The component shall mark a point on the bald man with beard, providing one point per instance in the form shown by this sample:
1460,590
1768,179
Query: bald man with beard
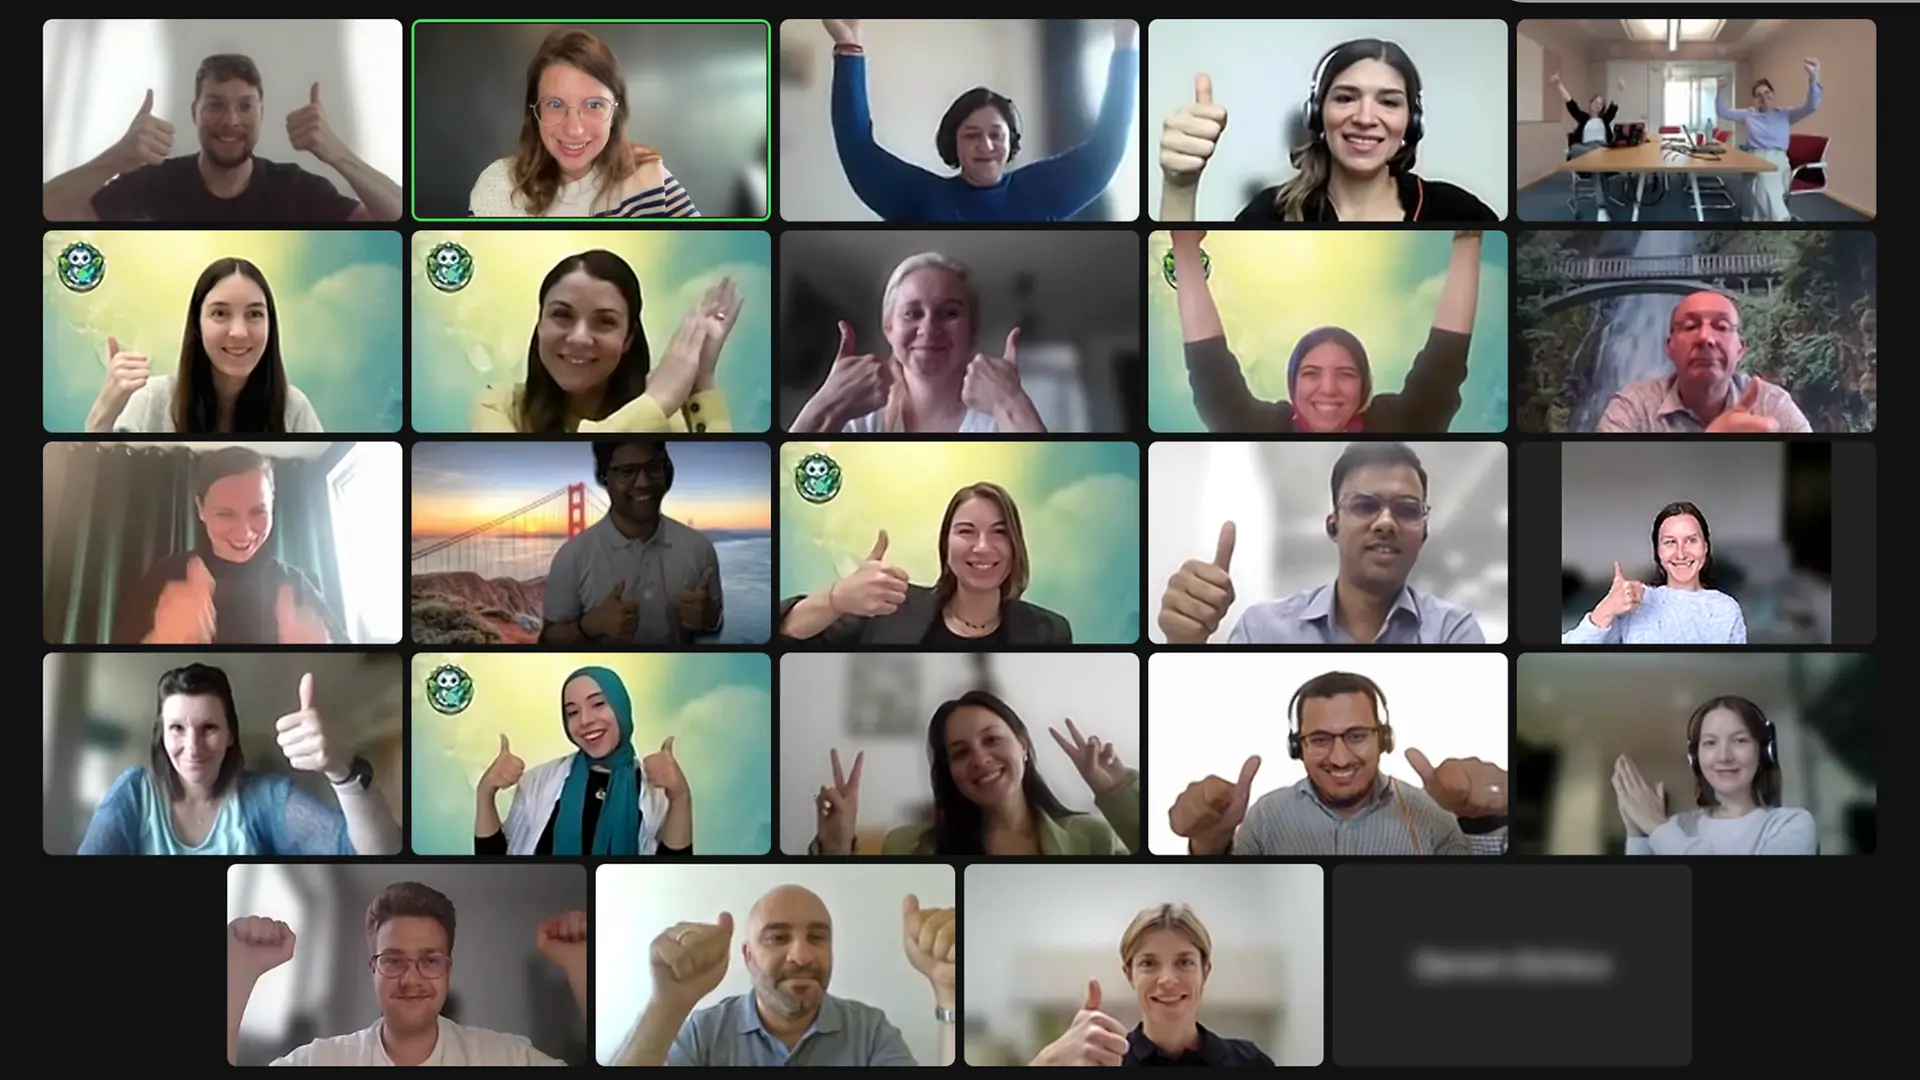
788,1018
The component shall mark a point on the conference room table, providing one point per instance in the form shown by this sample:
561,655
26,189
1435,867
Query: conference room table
1671,158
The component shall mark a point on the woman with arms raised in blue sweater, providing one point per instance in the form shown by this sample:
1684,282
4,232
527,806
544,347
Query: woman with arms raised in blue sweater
1735,759
1681,607
979,136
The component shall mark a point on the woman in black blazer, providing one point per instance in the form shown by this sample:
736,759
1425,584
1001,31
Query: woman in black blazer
975,604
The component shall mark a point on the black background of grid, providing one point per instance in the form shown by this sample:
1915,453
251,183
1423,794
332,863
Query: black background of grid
105,957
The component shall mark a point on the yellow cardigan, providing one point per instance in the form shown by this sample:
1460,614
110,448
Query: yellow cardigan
499,406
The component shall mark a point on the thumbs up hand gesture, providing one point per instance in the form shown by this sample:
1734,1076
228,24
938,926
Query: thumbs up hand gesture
662,770
876,587
148,140
1622,597
1209,811
506,770
1094,1038
1188,138
1740,419
126,373
697,613
857,384
297,623
303,739
992,386
1199,595
928,934
614,618
185,614
308,130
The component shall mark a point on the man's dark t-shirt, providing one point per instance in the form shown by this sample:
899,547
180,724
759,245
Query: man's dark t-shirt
244,596
174,191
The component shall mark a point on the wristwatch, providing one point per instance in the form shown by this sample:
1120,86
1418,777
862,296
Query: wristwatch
945,1016
359,776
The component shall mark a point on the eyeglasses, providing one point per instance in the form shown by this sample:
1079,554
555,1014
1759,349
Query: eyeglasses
395,965
655,468
1356,739
1407,510
594,112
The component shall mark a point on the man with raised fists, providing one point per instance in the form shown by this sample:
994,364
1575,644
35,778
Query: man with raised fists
410,935
1345,805
230,592
788,1018
1379,524
636,576
225,182
1706,392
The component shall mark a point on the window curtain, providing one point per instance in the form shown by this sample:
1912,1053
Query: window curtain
110,511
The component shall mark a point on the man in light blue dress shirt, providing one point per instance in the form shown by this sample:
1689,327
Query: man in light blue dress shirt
788,1018
1379,522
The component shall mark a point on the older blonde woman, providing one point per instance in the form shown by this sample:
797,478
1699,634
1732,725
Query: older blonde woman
1166,955
932,379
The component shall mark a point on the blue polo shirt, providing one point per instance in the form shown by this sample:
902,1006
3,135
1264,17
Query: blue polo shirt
845,1033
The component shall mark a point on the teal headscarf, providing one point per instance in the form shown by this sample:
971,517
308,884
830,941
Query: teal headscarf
618,831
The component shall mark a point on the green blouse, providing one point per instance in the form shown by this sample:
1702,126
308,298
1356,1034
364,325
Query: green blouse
1115,831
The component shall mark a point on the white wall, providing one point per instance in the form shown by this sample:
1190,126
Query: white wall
1208,712
1529,79
1610,491
1014,912
1262,73
869,960
96,71
1099,691
1278,496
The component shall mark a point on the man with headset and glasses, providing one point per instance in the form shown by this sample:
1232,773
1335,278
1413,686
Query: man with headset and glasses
1379,523
1338,727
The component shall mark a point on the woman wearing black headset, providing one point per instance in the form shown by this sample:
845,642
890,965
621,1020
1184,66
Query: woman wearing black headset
1364,125
1735,760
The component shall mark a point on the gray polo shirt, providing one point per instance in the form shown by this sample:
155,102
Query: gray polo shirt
845,1033
656,573
1401,820
1653,407
1307,618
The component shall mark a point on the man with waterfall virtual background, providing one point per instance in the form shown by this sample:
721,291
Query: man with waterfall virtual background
1706,392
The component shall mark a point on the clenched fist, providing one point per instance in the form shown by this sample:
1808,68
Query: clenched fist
257,945
690,959
563,940
928,934
1209,811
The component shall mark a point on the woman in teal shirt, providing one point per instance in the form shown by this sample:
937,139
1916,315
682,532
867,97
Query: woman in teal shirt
196,797
988,799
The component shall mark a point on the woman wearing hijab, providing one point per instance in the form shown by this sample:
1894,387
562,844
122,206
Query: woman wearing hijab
1330,385
596,801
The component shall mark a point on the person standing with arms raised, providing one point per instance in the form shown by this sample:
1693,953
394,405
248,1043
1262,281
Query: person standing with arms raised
1769,131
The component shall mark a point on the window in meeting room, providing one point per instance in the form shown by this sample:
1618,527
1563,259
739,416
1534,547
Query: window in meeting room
365,490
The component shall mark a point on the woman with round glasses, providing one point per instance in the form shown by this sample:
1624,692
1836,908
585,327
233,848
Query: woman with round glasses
1329,379
573,159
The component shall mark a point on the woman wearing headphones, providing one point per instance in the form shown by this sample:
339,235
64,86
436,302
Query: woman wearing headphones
1681,607
1735,760
1166,956
1364,125
980,137
1329,378
988,798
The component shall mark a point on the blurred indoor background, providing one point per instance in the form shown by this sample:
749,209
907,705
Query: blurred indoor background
100,708
499,980
110,510
1263,71
880,704
1074,295
95,72
1768,506
1578,711
1034,935
1055,70
869,957
696,92
1207,712
1278,497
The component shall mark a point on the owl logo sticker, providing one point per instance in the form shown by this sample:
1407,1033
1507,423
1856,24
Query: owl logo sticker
1166,268
817,478
449,690
81,266
450,267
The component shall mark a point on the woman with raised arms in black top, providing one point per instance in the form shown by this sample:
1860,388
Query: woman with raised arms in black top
1329,378
1364,124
